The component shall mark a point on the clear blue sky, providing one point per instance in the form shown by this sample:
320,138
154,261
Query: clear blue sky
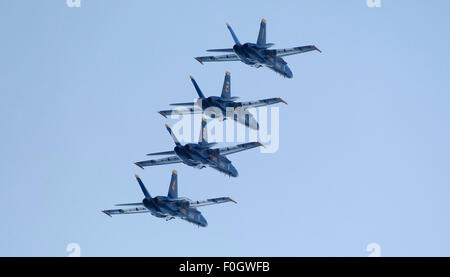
364,142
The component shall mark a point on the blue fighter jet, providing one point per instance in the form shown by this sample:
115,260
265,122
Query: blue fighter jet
200,155
223,103
170,206
257,54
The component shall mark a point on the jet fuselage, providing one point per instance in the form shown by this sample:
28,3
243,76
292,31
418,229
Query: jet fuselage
227,109
199,156
165,207
251,54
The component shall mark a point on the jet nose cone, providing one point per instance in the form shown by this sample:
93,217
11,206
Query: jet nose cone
230,171
289,72
234,173
203,221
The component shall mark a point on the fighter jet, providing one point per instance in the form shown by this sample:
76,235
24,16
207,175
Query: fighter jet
170,206
200,155
224,103
257,54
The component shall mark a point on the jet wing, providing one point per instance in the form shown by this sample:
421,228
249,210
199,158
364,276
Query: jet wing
221,58
168,160
295,50
181,111
136,210
212,201
263,102
238,148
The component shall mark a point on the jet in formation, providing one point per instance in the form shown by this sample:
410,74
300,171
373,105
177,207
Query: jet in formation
222,103
257,54
200,155
170,206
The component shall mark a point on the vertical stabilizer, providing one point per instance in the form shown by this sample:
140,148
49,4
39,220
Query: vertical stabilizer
203,133
173,187
172,135
226,90
197,88
143,188
236,40
262,33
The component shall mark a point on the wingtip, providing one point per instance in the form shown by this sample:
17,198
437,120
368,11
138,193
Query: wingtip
203,119
137,176
228,24
315,47
192,78
174,172
167,125
227,73
139,165
281,99
229,198
198,59
108,214
260,144
263,20
162,113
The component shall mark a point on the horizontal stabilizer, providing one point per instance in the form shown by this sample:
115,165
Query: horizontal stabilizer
130,204
168,160
208,144
220,58
183,104
233,98
178,111
162,153
230,50
265,46
135,210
